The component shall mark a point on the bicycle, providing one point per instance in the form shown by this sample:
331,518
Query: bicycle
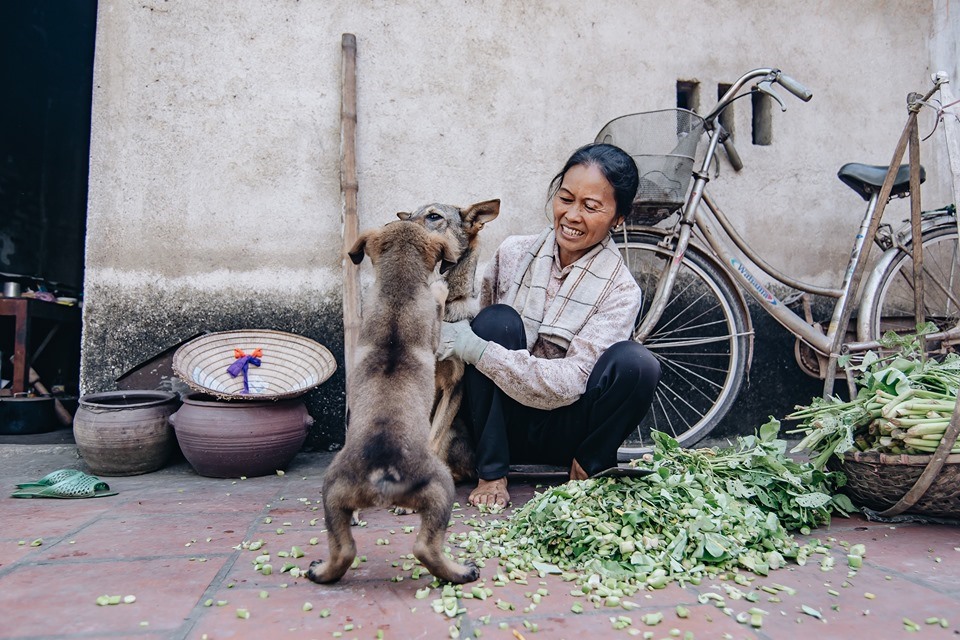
697,322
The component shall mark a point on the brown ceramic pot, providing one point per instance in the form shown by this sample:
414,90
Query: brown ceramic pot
125,433
229,439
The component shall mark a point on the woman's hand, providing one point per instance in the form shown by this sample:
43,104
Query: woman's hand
458,339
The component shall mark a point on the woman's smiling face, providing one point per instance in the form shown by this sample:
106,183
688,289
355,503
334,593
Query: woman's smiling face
584,211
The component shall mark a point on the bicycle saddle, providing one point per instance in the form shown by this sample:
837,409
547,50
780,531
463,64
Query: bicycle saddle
866,179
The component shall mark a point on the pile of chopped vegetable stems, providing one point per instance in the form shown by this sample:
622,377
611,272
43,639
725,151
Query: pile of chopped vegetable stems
702,513
904,405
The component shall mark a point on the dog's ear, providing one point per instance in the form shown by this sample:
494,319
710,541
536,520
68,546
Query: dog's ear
404,215
359,249
446,265
480,213
446,254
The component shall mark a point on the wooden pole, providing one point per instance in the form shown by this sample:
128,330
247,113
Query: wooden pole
348,190
885,189
915,226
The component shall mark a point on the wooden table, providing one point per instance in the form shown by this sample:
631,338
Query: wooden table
25,311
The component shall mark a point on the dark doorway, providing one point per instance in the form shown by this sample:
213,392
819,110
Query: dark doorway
46,78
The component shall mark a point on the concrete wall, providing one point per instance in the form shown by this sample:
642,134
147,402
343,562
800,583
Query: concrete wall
214,187
945,57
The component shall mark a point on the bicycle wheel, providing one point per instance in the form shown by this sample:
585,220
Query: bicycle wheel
701,342
891,304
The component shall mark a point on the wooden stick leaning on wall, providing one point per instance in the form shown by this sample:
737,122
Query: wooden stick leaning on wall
348,190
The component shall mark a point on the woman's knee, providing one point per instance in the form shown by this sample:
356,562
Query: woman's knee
502,324
629,361
647,362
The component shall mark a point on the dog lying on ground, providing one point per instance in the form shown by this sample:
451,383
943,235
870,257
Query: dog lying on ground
386,459
448,434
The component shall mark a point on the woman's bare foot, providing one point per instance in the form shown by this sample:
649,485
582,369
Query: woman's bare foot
577,472
490,493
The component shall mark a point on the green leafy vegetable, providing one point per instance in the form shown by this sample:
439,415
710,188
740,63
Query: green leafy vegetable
904,404
702,513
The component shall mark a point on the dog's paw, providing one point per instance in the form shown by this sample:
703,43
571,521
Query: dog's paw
470,573
355,519
315,572
323,572
463,475
403,511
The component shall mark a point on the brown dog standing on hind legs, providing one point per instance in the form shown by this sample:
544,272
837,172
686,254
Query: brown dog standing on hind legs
386,459
461,225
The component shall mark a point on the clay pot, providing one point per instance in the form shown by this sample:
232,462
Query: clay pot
229,439
125,433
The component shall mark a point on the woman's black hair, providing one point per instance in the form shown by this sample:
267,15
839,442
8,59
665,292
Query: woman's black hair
614,163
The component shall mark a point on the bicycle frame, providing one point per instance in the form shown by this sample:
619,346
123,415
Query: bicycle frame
701,213
818,340
704,219
694,216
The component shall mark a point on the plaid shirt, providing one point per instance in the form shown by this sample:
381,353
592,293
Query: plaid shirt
547,376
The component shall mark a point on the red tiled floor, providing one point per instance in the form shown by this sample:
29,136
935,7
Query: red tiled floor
131,536
137,543
33,518
368,608
916,553
50,599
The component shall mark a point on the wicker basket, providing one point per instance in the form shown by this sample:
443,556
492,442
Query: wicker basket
877,481
664,145
290,364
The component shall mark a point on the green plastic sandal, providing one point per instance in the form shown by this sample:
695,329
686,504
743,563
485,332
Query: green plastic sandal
51,478
76,486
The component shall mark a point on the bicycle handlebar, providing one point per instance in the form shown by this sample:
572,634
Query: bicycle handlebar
795,87
767,78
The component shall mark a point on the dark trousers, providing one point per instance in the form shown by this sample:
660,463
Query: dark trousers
618,394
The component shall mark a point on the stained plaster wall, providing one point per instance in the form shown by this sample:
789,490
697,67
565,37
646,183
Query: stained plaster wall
945,57
214,187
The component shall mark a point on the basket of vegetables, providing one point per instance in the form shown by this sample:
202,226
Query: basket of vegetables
896,441
879,480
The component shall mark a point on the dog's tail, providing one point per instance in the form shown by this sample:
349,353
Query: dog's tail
381,454
392,485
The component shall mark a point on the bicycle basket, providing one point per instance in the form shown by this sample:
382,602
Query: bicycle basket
664,145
